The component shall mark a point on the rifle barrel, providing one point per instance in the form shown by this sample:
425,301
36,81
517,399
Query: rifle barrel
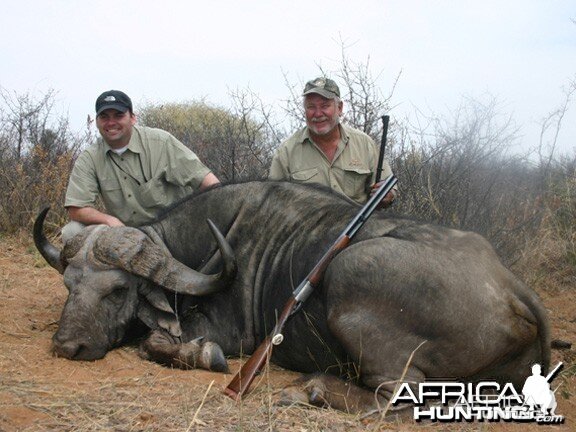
385,123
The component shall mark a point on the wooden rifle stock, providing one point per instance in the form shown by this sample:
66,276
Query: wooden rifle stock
243,379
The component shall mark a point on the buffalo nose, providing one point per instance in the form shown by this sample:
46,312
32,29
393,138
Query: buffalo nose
66,349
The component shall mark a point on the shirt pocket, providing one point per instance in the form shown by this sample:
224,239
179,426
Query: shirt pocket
111,190
112,195
309,175
356,183
153,193
109,184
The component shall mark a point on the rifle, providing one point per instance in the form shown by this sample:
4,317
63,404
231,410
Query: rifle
243,379
385,122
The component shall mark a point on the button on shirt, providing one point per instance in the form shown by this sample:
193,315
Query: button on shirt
351,172
155,171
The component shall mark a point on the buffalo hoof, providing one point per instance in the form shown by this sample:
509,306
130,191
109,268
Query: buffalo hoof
304,391
205,355
165,349
212,358
293,396
328,391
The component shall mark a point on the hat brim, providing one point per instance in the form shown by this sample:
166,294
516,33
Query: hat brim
322,92
117,107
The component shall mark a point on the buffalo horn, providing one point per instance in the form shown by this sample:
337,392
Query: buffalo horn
136,253
50,252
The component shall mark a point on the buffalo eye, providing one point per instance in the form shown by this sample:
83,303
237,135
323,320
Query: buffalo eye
117,295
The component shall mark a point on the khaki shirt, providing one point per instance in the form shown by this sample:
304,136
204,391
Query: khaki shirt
351,172
155,171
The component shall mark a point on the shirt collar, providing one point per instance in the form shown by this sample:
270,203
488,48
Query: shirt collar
305,135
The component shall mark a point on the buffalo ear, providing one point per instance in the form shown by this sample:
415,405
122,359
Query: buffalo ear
156,297
155,311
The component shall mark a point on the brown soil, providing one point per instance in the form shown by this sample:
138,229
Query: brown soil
125,393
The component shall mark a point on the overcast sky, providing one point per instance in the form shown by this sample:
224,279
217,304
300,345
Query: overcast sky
523,52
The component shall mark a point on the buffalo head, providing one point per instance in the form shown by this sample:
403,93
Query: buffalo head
114,275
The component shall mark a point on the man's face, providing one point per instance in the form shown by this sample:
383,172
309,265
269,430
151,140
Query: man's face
115,127
322,115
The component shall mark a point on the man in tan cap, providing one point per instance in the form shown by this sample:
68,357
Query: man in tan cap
328,152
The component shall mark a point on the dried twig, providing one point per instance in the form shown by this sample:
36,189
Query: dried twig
195,418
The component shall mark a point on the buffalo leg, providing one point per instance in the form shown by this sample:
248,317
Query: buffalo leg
373,322
163,348
329,391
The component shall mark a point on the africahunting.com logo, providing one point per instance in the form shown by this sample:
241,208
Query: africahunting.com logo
484,401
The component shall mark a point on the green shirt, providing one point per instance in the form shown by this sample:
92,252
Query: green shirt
155,171
351,172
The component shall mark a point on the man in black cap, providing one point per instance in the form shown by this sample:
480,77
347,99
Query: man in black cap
137,171
328,152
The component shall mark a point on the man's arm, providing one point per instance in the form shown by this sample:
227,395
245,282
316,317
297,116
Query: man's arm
82,192
388,199
209,180
279,166
184,167
91,216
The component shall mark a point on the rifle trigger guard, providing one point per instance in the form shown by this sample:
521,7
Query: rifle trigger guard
296,308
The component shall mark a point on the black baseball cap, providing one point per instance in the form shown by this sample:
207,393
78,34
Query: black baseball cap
113,99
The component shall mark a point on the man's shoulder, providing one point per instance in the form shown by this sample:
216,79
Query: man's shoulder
151,132
296,138
157,140
93,150
357,134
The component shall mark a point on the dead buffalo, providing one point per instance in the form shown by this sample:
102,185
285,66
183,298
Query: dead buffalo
398,284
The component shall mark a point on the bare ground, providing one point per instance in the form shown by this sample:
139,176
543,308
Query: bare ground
122,392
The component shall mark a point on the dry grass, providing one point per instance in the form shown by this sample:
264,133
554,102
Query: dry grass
548,262
154,403
27,185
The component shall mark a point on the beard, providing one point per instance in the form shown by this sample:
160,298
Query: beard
324,125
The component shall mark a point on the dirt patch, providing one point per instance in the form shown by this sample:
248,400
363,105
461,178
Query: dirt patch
125,393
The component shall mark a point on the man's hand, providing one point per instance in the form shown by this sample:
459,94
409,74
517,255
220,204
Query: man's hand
209,180
388,199
113,221
91,216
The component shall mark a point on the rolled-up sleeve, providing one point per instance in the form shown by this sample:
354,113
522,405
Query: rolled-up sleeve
82,188
279,167
184,168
